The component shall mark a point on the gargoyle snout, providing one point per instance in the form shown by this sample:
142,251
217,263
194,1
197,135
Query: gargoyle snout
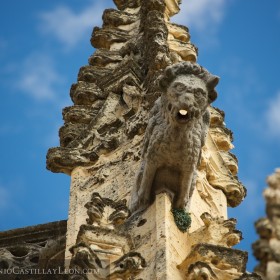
186,99
185,104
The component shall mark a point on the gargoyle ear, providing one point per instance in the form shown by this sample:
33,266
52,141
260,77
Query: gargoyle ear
212,96
211,84
213,81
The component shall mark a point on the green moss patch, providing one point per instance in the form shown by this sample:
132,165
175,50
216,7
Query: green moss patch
182,219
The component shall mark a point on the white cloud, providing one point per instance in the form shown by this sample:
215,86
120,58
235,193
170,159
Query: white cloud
203,17
201,14
70,27
38,77
273,115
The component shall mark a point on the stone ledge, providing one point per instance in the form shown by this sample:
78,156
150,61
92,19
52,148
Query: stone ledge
41,231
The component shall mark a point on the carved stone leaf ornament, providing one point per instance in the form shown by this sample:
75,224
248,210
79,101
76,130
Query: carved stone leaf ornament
107,257
105,212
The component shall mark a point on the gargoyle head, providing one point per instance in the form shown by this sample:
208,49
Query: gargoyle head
187,89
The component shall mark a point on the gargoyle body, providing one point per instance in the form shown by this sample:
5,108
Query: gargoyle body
174,136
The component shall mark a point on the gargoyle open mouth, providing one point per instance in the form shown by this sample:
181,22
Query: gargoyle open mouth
183,116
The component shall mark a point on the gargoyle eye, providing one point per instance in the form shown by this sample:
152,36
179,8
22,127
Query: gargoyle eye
200,91
180,87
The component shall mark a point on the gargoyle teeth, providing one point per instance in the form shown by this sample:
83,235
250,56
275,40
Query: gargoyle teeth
183,112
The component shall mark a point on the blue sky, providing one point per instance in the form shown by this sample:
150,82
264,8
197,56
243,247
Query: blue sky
44,43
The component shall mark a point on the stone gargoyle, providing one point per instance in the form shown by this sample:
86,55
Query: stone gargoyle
176,131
